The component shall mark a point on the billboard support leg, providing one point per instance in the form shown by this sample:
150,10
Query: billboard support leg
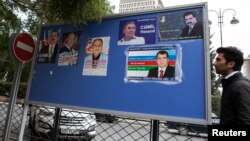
154,134
56,124
24,117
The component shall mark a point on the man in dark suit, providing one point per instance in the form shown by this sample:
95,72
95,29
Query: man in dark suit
163,70
48,52
193,28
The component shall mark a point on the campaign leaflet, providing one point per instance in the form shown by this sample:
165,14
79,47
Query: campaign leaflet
144,62
68,58
175,25
137,31
96,56
48,46
69,50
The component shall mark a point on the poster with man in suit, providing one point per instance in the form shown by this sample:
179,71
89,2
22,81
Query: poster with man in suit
181,25
153,64
48,47
163,70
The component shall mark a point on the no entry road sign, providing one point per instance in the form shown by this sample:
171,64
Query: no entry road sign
23,47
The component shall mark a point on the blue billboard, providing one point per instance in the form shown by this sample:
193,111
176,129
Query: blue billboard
150,64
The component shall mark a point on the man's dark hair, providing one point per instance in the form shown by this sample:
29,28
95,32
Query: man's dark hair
100,39
189,13
54,31
162,52
128,22
232,54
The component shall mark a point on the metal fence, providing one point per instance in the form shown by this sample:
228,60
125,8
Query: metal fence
45,123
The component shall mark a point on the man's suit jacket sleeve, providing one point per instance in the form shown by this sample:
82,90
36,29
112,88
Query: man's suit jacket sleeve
170,72
153,72
184,32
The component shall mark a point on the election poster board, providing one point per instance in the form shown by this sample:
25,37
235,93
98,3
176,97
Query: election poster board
151,64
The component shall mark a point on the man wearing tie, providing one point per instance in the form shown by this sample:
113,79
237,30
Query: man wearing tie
163,70
193,28
48,52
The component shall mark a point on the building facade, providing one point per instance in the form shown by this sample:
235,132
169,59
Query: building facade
246,67
139,5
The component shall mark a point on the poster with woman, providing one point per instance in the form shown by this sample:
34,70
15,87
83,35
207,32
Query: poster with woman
68,54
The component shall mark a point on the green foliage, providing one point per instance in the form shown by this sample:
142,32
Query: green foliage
25,72
215,84
5,89
78,11
9,23
56,11
7,65
216,103
22,90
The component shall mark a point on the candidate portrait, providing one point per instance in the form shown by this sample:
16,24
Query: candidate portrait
163,69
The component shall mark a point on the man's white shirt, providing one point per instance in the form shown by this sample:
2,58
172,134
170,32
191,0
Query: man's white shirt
134,41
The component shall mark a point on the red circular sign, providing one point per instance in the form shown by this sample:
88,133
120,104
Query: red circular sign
23,47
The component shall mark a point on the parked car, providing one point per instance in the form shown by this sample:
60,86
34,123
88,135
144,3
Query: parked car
185,128
72,124
105,118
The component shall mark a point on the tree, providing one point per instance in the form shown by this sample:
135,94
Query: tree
215,84
58,11
9,24
216,96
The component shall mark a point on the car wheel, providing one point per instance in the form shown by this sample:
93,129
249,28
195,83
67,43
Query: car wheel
102,118
33,132
86,137
111,119
183,130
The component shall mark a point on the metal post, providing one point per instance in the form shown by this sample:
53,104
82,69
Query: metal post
12,100
220,24
24,117
154,134
56,124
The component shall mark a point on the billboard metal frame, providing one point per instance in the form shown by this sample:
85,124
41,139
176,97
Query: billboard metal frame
207,81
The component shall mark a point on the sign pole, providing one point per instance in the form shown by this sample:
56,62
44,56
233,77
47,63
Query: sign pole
22,47
12,100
